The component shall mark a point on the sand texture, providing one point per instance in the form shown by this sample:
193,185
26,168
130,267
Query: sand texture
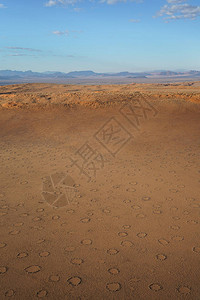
100,191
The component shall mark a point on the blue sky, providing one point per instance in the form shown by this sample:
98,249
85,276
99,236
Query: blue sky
99,35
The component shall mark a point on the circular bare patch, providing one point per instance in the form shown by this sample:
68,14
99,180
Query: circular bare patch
77,261
113,286
106,211
70,211
4,206
9,293
85,220
196,249
127,201
74,280
2,245
146,198
42,294
142,235
161,257
175,227
133,183
136,207
113,271
192,222
24,215
155,287
131,190
36,219
86,242
177,238
22,254
19,224
176,218
3,213
3,269
184,290
127,226
141,216
24,182
127,244
39,209
40,241
157,212
70,249
122,234
14,232
163,242
33,269
44,254
90,214
54,278
55,217
112,251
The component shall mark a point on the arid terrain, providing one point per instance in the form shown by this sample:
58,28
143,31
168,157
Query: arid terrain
100,191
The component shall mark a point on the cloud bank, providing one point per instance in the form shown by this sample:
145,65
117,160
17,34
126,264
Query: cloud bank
179,9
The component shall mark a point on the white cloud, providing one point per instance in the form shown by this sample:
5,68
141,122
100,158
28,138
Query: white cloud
117,1
20,54
21,51
176,10
112,1
2,6
51,3
77,9
134,20
22,48
58,32
72,2
175,1
67,32
60,2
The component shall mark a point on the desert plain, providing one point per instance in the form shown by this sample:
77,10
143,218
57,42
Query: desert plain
100,191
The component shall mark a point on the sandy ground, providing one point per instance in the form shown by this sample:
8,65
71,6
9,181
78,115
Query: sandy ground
99,192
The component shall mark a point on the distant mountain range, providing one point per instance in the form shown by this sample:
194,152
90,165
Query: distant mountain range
17,75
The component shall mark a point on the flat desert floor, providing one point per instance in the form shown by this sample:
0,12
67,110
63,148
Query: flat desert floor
100,191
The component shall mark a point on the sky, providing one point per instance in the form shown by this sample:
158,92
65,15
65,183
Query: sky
99,35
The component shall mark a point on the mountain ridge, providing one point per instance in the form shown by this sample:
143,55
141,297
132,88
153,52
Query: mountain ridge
14,74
